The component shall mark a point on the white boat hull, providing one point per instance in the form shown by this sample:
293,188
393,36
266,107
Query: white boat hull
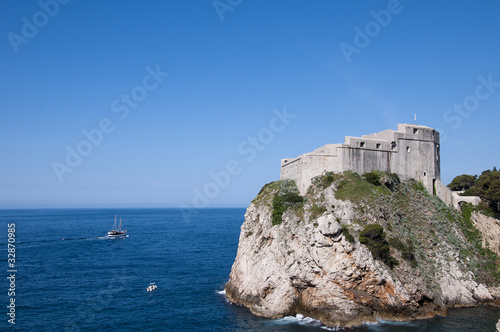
117,236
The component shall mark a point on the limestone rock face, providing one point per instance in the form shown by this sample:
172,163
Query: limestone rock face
305,265
490,231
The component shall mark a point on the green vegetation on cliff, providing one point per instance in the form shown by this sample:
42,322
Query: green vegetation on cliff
488,264
486,186
284,194
373,237
417,223
281,203
356,188
347,234
399,221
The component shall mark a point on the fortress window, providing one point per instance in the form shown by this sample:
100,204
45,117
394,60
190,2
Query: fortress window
378,145
415,130
361,144
393,145
407,149
425,173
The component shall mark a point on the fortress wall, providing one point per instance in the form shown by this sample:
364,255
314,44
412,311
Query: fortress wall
386,135
418,155
362,160
328,149
291,168
410,152
444,193
415,160
314,165
368,143
418,132
452,198
303,168
457,199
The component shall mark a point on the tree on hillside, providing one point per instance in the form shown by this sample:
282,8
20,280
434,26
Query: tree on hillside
492,194
463,182
487,186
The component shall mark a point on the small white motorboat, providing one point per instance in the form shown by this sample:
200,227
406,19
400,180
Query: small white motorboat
152,287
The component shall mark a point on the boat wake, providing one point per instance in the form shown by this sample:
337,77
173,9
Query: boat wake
77,238
113,238
92,238
54,240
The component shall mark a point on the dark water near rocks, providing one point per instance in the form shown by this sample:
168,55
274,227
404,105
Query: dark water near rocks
70,277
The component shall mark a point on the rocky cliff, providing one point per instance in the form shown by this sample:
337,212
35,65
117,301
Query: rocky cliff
357,248
490,231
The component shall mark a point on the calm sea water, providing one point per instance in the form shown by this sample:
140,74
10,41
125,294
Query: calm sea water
71,278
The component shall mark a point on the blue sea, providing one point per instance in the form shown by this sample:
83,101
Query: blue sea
70,277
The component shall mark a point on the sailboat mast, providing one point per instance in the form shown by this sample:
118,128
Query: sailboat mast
120,227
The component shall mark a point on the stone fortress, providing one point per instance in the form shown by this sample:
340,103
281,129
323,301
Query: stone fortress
412,151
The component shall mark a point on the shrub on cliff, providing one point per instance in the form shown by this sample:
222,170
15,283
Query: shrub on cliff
407,250
347,234
373,178
281,203
293,198
327,180
373,237
278,209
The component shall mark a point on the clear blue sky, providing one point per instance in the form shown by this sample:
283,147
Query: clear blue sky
228,68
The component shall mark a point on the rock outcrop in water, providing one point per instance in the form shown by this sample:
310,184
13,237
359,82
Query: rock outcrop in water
303,255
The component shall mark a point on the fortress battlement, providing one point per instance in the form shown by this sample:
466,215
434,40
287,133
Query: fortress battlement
412,151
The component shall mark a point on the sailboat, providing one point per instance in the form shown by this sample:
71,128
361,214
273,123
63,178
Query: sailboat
117,231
